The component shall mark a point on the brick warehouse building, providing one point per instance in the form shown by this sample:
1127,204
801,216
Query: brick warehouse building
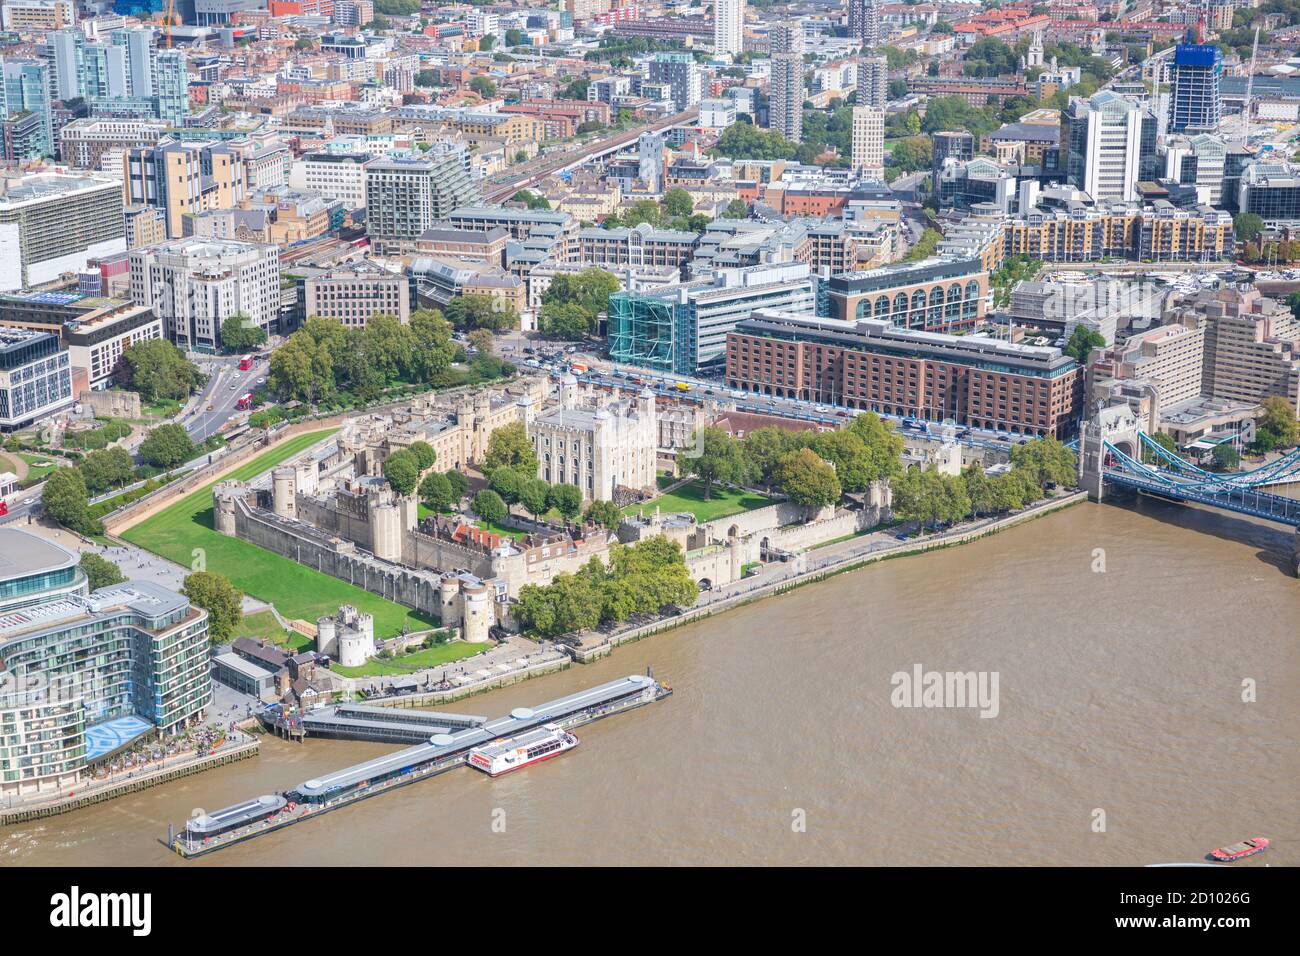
870,365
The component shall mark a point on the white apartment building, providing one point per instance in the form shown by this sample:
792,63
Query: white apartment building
95,344
728,27
340,176
51,223
869,141
193,285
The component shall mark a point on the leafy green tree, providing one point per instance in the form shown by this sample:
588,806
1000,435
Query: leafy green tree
159,370
736,209
107,468
981,492
436,492
1226,458
566,499
507,483
459,483
1165,441
807,479
743,140
884,446
1276,426
1082,341
721,461
100,572
476,311
604,513
535,496
853,462
483,86
222,600
765,447
678,202
424,454
402,471
1045,461
1247,226
925,246
432,348
487,504
66,500
239,333
565,321
510,447
167,446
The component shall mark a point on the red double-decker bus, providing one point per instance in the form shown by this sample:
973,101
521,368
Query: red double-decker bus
245,402
246,363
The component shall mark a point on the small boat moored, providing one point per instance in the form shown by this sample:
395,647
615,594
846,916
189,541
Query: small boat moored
537,745
1239,851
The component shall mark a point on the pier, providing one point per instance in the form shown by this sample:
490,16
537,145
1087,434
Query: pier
445,745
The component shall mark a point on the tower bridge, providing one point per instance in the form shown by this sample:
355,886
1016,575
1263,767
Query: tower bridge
1111,451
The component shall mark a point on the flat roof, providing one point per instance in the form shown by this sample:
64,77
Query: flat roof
23,553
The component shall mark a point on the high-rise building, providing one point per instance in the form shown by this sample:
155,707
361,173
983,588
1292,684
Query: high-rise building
869,141
404,197
35,379
1110,144
63,50
1271,191
728,27
193,285
134,654
864,21
27,90
51,224
1195,101
183,179
958,144
37,16
873,81
682,75
786,86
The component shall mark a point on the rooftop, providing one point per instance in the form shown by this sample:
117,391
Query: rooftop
23,553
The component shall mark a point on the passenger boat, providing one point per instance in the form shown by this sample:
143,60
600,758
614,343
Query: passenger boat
1239,851
512,753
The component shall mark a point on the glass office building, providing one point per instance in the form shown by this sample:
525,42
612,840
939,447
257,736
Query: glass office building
84,673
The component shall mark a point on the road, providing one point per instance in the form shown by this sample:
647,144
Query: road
209,411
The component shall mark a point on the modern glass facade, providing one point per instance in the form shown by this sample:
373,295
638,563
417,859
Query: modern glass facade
70,661
1196,103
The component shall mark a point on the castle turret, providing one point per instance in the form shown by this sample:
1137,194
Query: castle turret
327,636
477,612
284,482
224,497
449,598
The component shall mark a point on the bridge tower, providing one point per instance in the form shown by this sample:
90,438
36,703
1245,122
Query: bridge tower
1117,425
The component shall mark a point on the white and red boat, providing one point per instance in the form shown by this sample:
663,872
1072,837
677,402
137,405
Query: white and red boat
1239,851
528,748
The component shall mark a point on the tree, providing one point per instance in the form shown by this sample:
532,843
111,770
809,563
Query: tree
432,348
925,246
1165,441
853,462
100,572
1045,461
509,447
476,311
678,202
884,446
106,468
436,492
1082,341
743,140
159,370
721,461
535,496
603,513
808,480
424,454
531,199
459,484
487,504
222,600
516,37
566,499
483,86
1226,458
402,470
1247,226
167,446
765,447
481,340
736,209
981,491
931,498
239,333
565,321
65,499
1276,426
507,483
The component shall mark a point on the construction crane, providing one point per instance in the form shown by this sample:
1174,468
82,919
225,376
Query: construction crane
171,12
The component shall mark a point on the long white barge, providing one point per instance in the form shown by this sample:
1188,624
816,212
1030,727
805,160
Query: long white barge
442,752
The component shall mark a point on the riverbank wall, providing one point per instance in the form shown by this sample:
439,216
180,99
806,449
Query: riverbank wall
586,653
111,791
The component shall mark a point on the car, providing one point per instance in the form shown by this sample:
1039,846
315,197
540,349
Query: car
234,386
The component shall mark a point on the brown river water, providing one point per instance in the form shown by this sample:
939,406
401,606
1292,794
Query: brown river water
1120,691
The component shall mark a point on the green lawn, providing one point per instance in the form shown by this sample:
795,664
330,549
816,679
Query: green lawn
407,663
263,625
690,497
35,473
295,590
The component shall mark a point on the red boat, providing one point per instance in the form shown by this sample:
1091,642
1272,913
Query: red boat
1239,851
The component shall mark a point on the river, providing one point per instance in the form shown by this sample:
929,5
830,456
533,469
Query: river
1120,693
